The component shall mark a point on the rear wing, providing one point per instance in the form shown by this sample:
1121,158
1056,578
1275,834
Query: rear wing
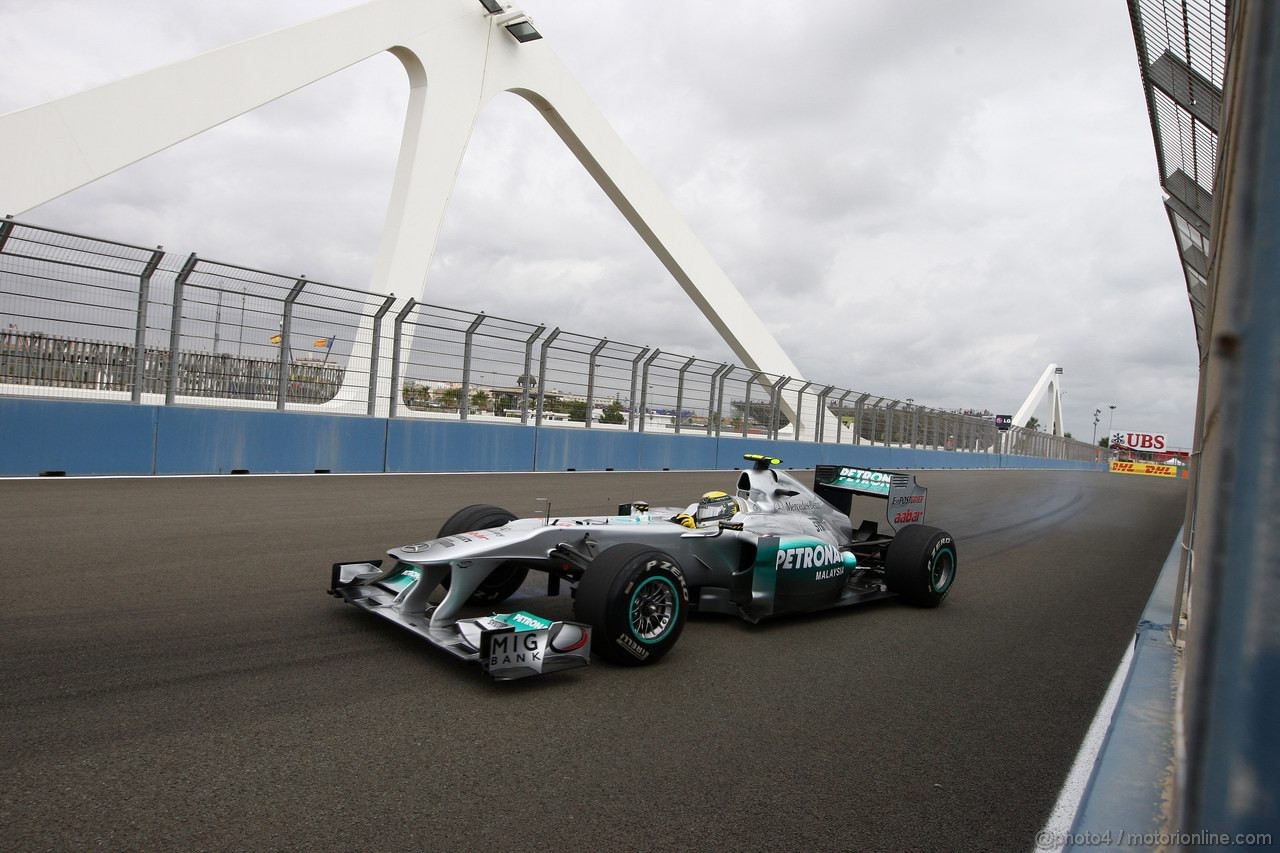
837,485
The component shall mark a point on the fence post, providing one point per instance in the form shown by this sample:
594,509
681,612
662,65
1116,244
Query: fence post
795,428
140,331
771,427
840,414
720,398
591,380
644,386
175,328
525,377
397,337
775,395
775,407
713,402
542,372
286,348
635,377
859,412
464,393
746,405
680,392
375,354
820,426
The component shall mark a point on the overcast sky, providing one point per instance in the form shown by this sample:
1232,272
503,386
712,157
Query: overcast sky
922,199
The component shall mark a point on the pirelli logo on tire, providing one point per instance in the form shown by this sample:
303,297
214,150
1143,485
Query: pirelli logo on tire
1150,469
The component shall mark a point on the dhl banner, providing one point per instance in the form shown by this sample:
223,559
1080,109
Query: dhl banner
1149,468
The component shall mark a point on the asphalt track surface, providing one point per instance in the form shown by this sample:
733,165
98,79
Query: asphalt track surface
172,676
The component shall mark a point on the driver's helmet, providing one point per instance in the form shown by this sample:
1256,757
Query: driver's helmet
716,506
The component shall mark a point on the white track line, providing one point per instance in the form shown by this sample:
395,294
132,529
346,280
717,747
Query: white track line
1064,811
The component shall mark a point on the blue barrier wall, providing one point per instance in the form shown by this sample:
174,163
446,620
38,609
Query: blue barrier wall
100,438
421,445
219,441
38,436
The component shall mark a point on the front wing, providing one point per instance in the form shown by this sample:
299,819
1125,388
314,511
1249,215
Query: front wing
506,645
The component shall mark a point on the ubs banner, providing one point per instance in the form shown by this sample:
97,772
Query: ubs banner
1149,468
1150,441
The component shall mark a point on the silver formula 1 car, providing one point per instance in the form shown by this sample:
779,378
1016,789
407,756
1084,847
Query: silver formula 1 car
772,546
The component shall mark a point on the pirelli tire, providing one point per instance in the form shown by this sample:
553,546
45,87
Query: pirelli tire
920,565
636,600
502,581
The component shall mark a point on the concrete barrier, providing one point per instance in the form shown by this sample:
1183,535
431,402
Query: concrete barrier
432,445
44,436
221,441
103,438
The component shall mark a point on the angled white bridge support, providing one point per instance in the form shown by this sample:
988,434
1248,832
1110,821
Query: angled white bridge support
457,56
1050,384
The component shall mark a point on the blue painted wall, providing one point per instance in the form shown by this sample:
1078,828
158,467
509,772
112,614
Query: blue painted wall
38,436
219,441
98,438
428,445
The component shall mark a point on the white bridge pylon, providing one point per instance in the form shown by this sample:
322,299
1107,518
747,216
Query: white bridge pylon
1049,384
457,56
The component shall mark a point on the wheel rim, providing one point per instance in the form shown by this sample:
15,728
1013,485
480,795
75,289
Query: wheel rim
944,569
654,605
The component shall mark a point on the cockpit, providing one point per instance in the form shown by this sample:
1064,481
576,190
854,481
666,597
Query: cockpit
711,509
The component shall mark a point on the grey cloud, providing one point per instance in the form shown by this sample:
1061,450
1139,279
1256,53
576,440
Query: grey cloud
923,200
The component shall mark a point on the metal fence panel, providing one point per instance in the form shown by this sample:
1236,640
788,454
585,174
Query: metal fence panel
85,317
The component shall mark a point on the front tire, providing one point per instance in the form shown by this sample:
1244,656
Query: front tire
635,598
920,564
503,581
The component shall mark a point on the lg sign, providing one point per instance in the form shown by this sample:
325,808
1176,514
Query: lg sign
1138,440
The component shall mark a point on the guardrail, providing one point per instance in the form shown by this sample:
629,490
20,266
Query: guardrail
87,318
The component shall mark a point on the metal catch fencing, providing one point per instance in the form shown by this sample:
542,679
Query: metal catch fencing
96,319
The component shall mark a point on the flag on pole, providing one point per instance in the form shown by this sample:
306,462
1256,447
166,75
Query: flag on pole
275,339
323,343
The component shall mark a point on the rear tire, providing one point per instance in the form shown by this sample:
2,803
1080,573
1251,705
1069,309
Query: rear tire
635,598
920,564
503,581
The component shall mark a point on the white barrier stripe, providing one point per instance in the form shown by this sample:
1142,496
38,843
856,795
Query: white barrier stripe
1065,809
